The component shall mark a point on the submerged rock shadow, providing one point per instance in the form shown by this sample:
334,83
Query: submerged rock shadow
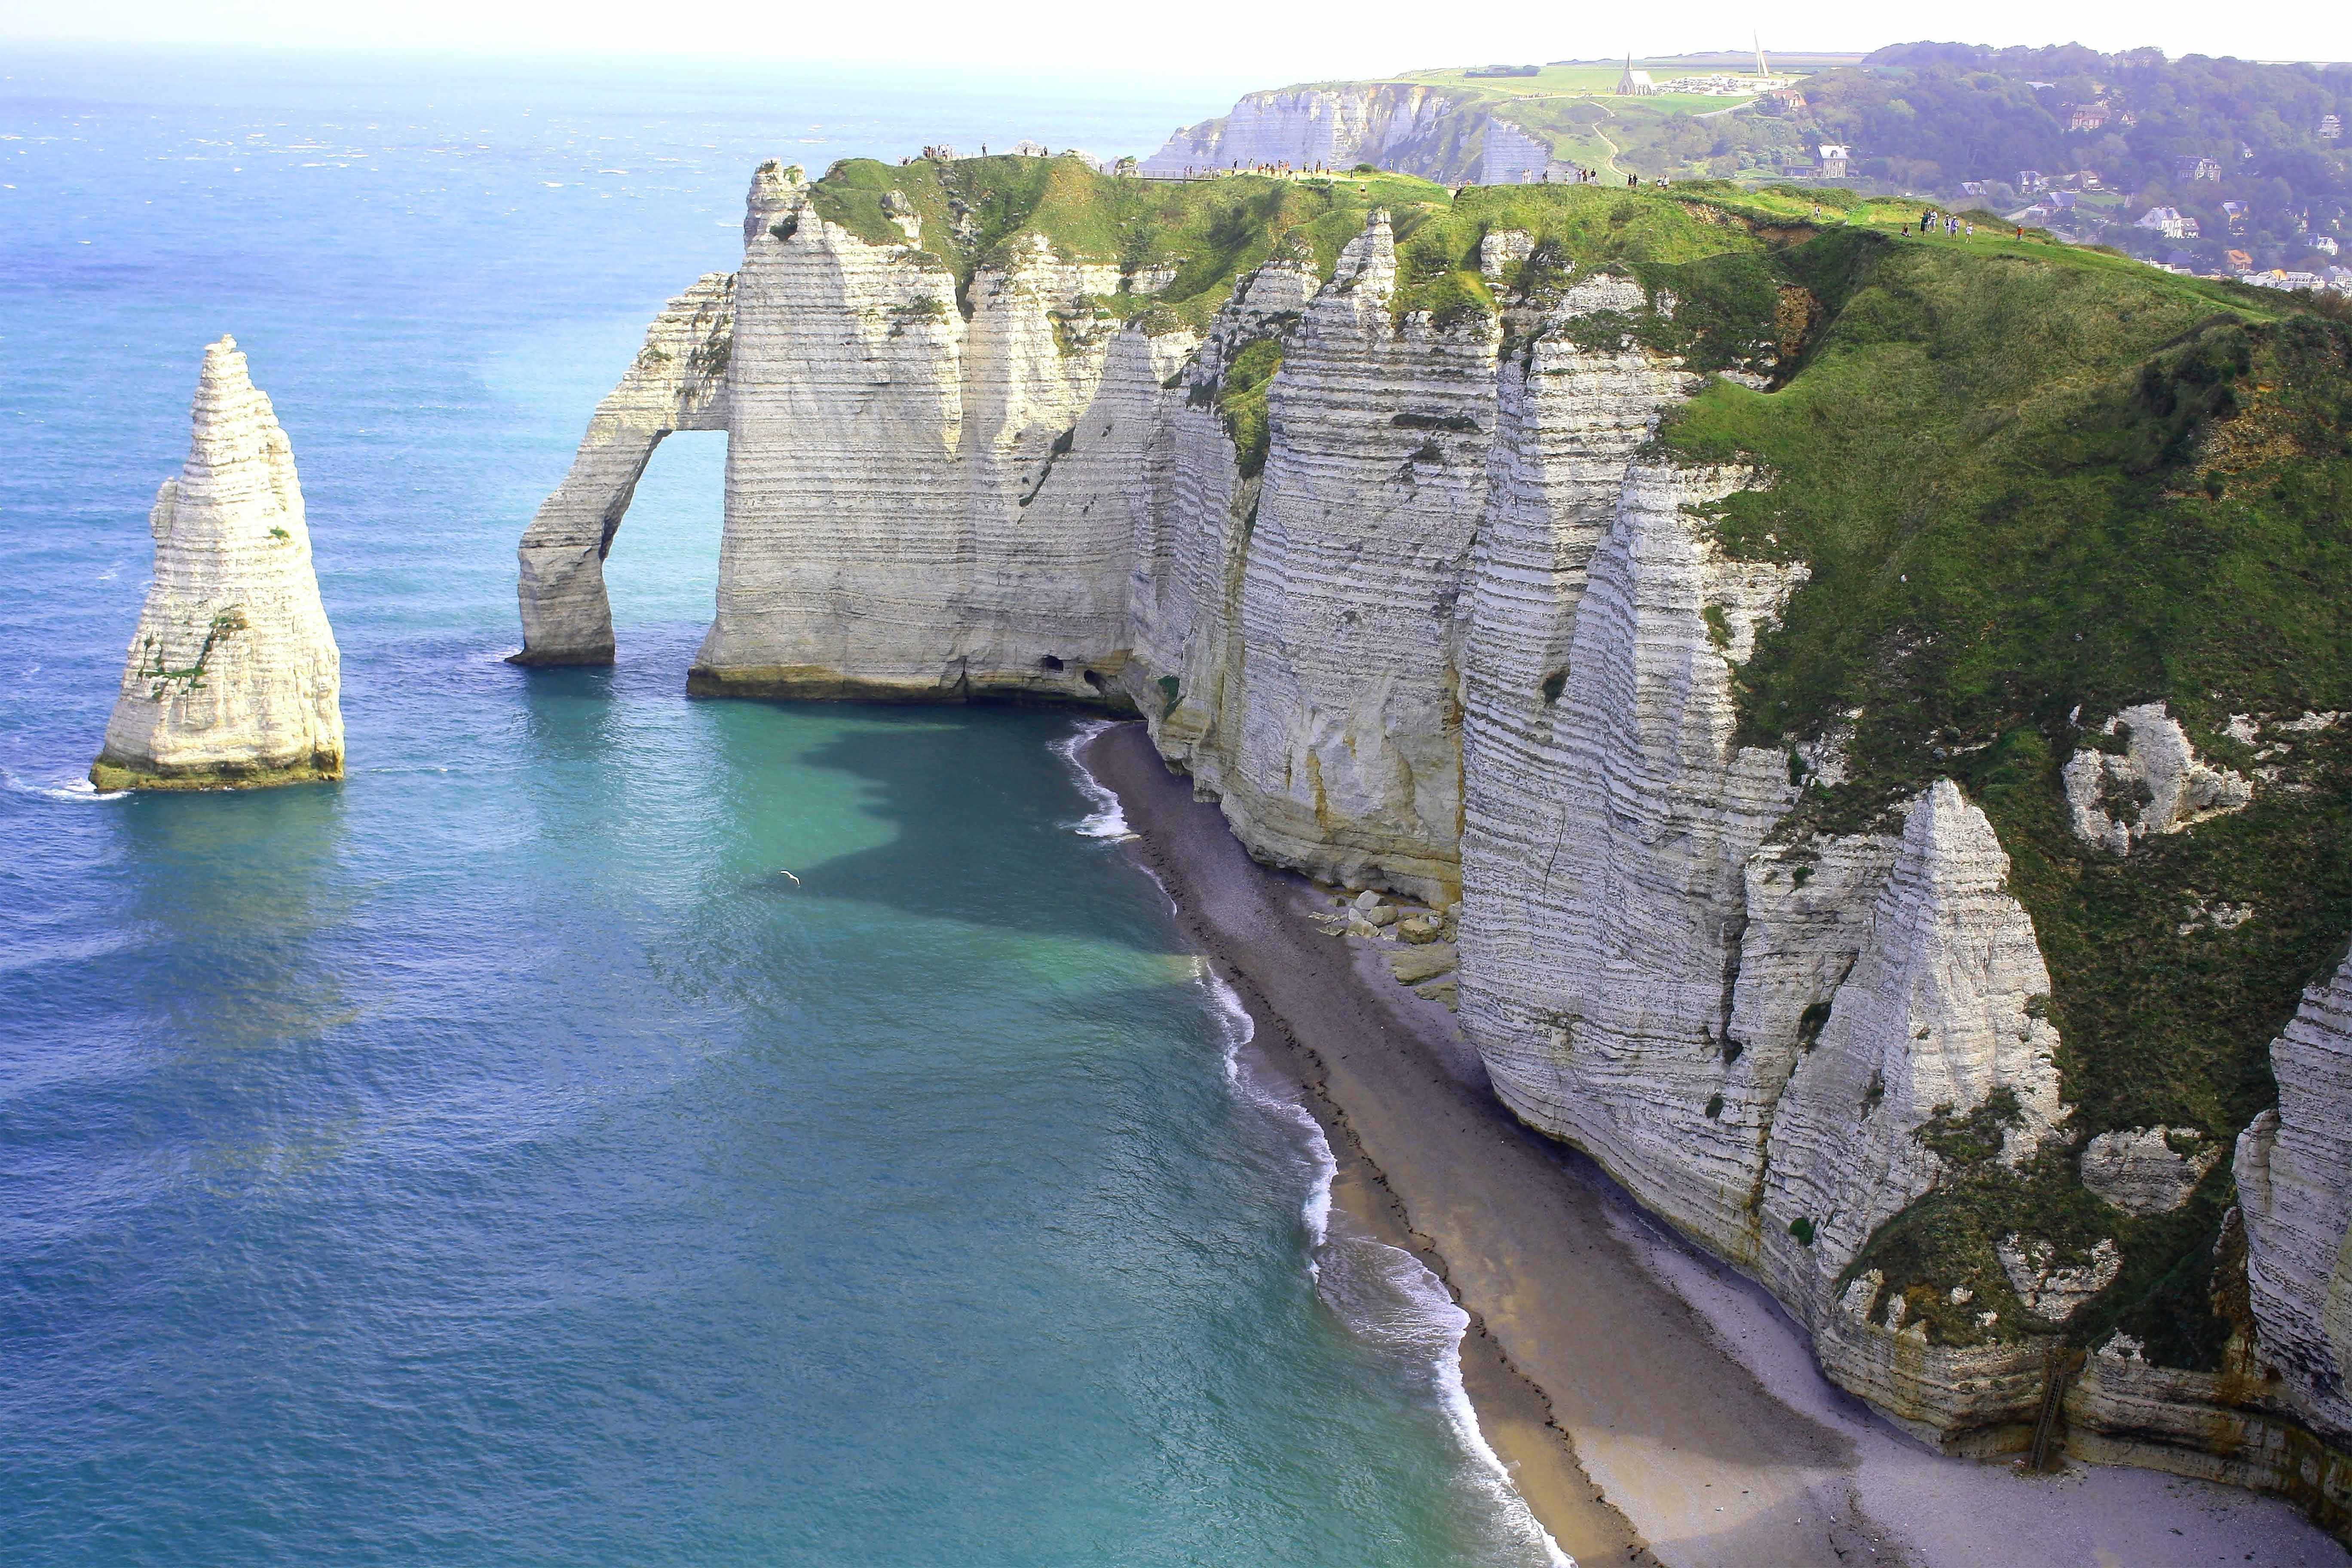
983,815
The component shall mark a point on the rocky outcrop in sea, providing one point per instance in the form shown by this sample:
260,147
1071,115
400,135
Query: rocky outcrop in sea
232,677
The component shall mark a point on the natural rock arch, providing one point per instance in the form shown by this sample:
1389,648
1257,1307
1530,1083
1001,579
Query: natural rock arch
677,382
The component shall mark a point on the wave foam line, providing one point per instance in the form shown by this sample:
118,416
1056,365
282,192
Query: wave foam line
1406,1306
77,790
1239,1029
1107,820
1493,1477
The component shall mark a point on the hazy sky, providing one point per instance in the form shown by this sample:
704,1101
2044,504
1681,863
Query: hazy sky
1273,44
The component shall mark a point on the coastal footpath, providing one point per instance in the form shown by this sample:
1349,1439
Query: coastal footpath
232,679
1875,697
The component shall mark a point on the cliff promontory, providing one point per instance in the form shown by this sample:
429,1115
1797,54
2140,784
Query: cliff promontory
1445,133
1873,696
232,677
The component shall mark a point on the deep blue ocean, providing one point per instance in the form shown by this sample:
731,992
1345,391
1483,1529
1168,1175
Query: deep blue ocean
493,1159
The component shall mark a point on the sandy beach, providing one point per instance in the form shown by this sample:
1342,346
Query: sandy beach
1653,1405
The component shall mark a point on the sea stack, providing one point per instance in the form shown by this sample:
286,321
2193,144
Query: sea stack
232,679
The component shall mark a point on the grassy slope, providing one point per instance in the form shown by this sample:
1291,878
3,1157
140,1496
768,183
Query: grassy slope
1570,83
2026,476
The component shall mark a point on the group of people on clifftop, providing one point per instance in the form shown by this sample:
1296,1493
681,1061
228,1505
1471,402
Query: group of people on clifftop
1281,169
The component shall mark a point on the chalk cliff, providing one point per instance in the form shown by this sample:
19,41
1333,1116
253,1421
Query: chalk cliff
1339,748
1497,550
2294,1187
232,677
1409,127
677,382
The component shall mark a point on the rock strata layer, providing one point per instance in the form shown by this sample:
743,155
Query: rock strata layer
232,677
2294,1184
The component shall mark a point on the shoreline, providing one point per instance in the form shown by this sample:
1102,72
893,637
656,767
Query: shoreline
1652,1405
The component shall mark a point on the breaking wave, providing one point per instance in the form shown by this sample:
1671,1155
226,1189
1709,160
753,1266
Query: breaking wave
1385,1295
1106,820
77,790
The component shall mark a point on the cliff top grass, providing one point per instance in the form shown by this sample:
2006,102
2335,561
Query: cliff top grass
973,211
1569,82
1211,231
2035,485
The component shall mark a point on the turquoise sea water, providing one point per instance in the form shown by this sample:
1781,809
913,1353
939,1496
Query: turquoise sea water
494,1159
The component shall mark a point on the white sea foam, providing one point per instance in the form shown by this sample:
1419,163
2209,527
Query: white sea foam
1385,1294
1107,820
76,790
1239,1030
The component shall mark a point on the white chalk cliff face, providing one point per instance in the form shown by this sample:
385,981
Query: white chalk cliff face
677,382
2157,785
2295,1188
1406,126
232,677
1339,750
1470,631
1939,1012
922,504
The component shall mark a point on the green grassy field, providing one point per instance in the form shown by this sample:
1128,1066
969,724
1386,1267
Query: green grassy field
1573,82
2035,485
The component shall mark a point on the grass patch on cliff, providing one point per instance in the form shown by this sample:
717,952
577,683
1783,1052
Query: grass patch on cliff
1574,230
978,212
2034,486
1241,399
2163,1295
1179,248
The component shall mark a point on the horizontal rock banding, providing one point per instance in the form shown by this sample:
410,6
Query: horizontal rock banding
232,677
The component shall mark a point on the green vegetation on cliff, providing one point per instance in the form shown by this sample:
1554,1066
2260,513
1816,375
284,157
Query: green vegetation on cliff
2035,485
1207,234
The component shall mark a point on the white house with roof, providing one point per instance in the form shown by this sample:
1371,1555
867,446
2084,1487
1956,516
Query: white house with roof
1834,160
2166,221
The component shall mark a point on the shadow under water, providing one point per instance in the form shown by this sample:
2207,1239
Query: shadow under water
958,790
